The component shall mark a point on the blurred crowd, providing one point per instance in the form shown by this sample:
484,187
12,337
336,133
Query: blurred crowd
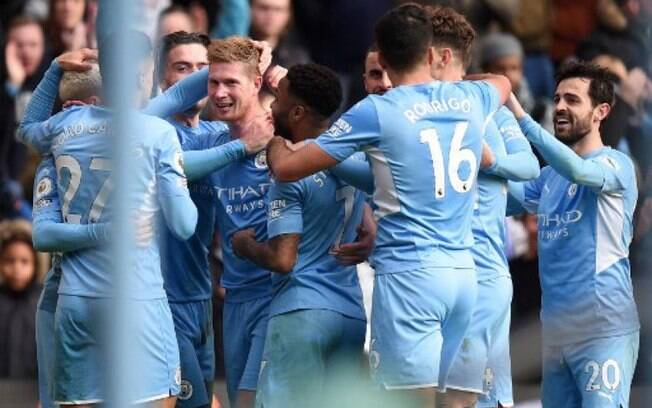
526,40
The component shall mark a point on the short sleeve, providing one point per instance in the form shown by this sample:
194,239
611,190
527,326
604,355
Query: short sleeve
46,198
488,95
285,209
352,132
171,177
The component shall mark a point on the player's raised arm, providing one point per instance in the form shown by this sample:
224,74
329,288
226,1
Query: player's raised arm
50,232
499,82
180,96
355,172
519,163
179,211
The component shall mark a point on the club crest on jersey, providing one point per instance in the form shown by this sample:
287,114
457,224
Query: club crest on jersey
185,390
44,187
572,190
261,160
178,162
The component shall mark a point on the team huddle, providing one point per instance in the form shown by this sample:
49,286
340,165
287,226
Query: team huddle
417,178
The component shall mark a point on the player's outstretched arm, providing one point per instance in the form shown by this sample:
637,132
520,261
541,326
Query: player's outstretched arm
519,163
356,173
179,211
180,96
292,165
588,172
500,82
200,163
278,254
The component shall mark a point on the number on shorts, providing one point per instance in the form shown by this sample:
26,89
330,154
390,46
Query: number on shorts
609,373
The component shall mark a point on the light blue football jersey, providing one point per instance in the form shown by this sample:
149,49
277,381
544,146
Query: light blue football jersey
46,207
241,190
424,144
325,212
81,151
504,136
583,243
185,263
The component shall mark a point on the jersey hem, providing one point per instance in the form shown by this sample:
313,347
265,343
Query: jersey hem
584,339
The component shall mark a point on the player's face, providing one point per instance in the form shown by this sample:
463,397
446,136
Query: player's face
17,266
182,61
233,89
511,67
574,111
375,77
281,108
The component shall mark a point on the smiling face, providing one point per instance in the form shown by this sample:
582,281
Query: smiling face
181,61
233,89
575,114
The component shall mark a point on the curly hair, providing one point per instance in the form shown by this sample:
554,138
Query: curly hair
235,49
452,29
317,86
601,87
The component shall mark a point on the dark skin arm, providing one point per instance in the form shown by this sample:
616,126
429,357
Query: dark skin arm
359,251
278,254
291,165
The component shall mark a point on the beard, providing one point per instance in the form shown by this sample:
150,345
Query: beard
281,127
576,129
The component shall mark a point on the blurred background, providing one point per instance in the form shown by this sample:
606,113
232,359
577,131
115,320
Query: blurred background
525,40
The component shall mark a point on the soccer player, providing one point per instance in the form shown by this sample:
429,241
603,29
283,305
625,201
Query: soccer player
185,262
81,151
425,279
306,219
375,77
485,354
584,200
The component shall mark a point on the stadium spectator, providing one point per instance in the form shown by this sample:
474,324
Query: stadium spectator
24,64
173,19
503,54
67,25
19,292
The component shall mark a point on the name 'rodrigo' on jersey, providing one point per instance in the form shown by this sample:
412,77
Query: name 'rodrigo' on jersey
424,143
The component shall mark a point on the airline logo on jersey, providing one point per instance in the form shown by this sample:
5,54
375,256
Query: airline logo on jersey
555,226
339,128
261,160
243,199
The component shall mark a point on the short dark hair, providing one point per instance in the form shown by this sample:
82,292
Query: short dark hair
317,86
452,29
169,41
601,85
403,36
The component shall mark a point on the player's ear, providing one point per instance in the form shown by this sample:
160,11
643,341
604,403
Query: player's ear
258,82
297,113
602,111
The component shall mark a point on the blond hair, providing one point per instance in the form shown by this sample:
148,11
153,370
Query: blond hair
80,85
235,49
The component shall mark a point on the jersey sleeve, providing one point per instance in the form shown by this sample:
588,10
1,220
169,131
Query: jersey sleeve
519,162
355,130
526,193
487,94
180,96
355,171
35,129
285,210
45,197
178,209
602,173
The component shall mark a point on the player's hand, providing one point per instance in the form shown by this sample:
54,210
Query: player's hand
78,60
258,133
15,69
515,106
358,251
240,240
265,59
274,75
488,159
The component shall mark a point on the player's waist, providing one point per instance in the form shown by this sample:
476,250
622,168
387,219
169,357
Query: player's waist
393,260
246,291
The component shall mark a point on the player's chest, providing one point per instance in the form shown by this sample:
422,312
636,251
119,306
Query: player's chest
242,186
565,210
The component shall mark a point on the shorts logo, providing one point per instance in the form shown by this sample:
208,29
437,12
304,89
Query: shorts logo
177,376
44,187
374,356
488,380
261,160
185,392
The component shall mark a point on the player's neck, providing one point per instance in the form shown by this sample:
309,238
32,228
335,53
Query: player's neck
589,143
305,131
419,75
237,127
452,73
190,121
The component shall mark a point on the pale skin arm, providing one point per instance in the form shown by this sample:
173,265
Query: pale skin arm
500,82
291,165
